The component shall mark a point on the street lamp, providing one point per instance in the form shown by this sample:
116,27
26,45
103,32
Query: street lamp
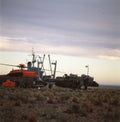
87,66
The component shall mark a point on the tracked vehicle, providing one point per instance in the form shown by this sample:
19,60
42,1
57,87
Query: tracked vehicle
76,82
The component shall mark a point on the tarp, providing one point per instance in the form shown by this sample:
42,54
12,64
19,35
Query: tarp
8,83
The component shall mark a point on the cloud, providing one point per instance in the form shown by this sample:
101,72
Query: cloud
109,57
71,27
23,45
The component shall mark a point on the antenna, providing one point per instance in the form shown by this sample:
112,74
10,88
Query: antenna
41,62
87,66
54,68
50,64
33,59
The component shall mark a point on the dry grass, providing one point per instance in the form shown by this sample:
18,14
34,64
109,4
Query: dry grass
59,105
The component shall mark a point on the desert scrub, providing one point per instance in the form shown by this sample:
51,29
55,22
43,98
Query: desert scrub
8,113
18,103
88,107
111,116
13,96
24,116
50,96
40,97
32,117
76,108
65,96
114,101
75,99
109,97
49,113
59,89
97,101
29,116
5,92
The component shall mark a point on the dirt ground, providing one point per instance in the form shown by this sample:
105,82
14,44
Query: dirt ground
59,105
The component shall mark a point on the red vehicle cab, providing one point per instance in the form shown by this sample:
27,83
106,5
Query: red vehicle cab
23,73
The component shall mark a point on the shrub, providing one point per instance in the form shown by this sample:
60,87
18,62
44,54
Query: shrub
24,116
75,99
76,108
111,116
97,101
18,103
32,117
49,113
88,107
64,97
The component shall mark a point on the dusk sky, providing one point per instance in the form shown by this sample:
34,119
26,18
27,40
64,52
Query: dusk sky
76,33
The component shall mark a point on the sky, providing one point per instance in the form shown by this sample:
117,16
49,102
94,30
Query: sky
76,33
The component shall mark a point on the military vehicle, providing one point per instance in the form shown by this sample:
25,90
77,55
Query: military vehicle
31,76
75,81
